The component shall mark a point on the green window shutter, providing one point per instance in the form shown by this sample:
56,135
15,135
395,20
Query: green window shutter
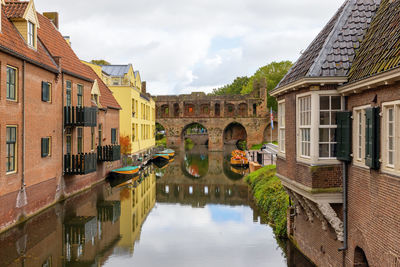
372,144
343,135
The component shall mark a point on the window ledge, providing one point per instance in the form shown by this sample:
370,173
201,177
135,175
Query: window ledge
281,155
389,171
11,173
360,165
318,162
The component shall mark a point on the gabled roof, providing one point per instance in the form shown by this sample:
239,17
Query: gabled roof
12,42
116,70
332,51
380,50
58,47
106,99
15,9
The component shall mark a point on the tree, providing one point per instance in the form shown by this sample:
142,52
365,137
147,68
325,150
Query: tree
234,88
126,147
100,62
271,74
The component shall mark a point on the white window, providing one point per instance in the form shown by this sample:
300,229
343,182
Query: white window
305,125
390,144
328,107
31,34
281,126
359,135
390,137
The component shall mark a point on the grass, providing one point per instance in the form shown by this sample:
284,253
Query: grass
270,197
258,146
162,142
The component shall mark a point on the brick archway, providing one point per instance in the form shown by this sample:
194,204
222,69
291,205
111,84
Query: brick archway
199,136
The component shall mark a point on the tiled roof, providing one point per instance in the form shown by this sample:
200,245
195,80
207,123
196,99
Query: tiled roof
15,9
116,70
106,99
332,51
380,50
58,47
12,41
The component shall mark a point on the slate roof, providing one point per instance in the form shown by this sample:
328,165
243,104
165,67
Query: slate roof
57,46
332,51
106,99
380,50
12,42
15,9
116,70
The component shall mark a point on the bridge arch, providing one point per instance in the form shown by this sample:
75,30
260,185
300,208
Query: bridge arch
197,132
234,132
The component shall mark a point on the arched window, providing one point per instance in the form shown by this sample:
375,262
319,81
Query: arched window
217,110
176,110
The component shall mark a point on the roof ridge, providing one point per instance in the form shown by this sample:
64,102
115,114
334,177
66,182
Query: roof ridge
318,62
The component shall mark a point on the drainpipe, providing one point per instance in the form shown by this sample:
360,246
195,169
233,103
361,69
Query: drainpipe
62,124
345,178
23,126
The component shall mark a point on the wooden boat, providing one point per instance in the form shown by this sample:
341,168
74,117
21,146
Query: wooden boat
238,153
170,152
122,175
239,161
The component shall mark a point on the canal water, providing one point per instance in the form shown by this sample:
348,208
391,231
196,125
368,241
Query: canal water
195,211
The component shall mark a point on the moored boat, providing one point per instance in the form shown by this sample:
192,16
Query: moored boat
121,175
170,152
161,156
239,161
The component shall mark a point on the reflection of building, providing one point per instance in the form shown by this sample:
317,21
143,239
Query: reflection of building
136,203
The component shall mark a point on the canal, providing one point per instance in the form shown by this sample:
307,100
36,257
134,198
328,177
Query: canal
195,211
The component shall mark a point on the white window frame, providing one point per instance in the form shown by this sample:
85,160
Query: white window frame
31,34
313,159
281,128
303,127
386,166
359,113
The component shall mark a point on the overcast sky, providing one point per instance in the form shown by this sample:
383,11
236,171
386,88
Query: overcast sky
191,45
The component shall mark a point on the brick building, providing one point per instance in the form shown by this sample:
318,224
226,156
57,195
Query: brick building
53,109
339,140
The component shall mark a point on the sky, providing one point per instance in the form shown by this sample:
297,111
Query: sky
180,46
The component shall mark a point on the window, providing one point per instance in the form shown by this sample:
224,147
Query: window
45,146
11,83
92,139
69,93
11,148
100,134
281,126
80,95
113,136
255,109
359,134
80,140
329,106
133,132
390,136
31,34
46,92
305,125
68,140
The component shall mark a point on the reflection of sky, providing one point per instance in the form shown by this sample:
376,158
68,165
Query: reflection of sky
217,235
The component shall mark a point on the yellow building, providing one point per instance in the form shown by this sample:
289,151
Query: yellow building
136,204
138,115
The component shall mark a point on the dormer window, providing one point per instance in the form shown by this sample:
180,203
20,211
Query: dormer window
31,34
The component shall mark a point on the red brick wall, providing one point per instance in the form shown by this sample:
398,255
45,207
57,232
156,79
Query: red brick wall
374,209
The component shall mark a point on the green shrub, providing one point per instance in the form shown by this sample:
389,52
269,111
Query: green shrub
270,197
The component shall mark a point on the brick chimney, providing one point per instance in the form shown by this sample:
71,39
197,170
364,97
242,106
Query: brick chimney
53,17
144,88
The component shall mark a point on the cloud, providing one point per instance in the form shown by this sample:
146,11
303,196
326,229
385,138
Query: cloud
190,45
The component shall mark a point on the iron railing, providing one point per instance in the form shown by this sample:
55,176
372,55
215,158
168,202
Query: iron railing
80,164
109,153
80,116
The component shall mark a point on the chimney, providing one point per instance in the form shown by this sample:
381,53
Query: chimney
53,17
68,40
144,87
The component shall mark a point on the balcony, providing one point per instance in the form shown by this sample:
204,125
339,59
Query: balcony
80,116
108,153
80,164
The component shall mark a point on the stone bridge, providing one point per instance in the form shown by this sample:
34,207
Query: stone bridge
227,119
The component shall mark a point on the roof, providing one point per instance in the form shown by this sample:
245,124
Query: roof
15,9
107,99
12,42
58,47
333,50
380,50
116,70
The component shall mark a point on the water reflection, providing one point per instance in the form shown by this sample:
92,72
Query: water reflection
164,217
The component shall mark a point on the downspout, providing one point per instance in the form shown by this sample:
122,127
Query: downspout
345,194
21,198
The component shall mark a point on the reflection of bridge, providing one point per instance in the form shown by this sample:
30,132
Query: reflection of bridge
214,187
226,118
